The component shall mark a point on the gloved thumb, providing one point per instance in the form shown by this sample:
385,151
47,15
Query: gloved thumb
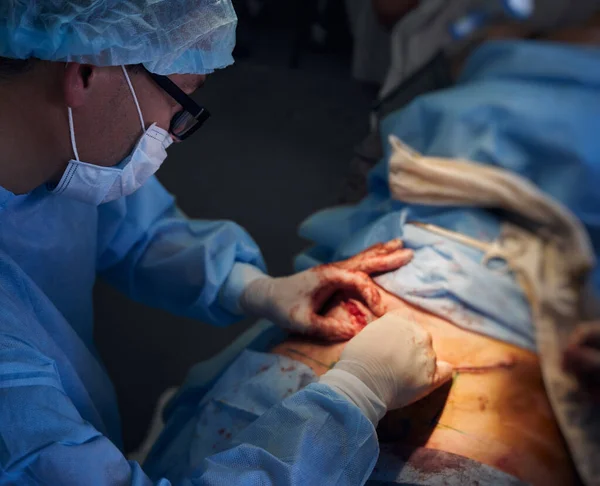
443,374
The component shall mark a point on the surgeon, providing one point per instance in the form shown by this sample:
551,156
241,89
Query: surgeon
92,93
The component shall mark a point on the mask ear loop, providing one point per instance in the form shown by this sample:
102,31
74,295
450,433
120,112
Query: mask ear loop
72,129
137,104
72,124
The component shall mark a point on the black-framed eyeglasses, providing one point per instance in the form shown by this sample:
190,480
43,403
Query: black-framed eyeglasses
191,118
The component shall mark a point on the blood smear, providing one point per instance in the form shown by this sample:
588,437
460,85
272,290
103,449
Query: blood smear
353,309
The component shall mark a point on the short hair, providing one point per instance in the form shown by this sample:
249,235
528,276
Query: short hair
13,67
136,68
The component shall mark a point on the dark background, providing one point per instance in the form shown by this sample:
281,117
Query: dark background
275,151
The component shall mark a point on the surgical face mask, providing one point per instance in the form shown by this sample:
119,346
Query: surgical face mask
96,185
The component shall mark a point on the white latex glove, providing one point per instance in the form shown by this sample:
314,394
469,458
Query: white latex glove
295,302
389,365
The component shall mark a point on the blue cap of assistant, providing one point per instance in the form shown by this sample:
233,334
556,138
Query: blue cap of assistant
166,36
519,9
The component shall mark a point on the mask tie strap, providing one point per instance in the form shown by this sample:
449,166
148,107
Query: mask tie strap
137,104
72,128
72,131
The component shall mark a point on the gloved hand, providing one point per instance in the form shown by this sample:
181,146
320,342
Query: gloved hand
389,365
582,357
295,302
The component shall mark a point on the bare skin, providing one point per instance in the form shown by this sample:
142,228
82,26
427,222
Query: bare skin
34,129
495,411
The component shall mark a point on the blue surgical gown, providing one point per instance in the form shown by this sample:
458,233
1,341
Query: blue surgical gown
59,422
527,106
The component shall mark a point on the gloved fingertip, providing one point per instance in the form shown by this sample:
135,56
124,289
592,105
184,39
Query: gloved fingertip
404,257
378,310
371,296
394,244
335,330
443,372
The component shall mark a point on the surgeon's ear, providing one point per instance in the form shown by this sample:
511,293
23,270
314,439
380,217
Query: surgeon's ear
78,83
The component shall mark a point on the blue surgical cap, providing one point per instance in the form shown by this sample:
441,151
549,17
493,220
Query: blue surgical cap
166,36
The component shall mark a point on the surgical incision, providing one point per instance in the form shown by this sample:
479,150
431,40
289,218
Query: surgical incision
495,410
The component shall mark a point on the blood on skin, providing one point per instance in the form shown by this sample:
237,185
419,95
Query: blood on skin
353,310
508,364
368,291
288,369
483,402
321,295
